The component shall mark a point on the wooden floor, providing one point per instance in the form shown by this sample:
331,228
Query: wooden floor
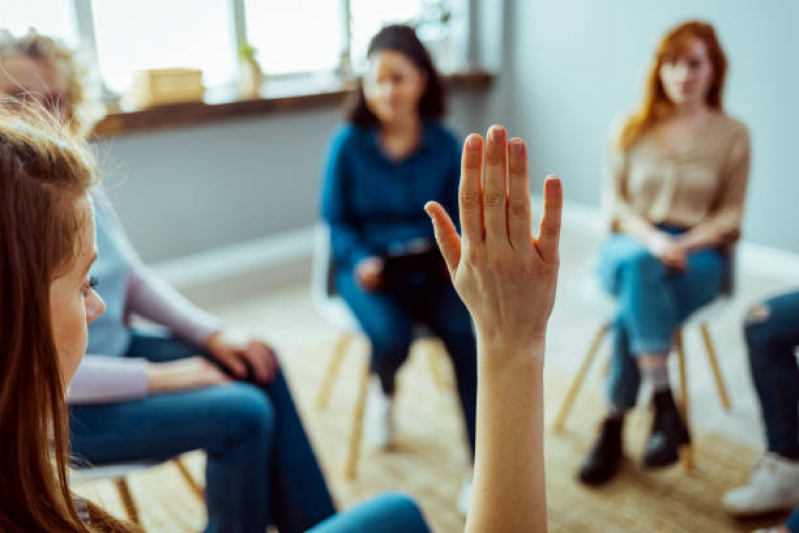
431,459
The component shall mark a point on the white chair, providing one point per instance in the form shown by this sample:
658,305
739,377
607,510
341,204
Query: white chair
587,287
334,309
119,472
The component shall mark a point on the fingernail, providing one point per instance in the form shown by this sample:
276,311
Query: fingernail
517,149
497,134
474,142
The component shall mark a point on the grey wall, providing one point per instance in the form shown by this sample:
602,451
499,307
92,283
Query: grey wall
567,68
188,190
570,66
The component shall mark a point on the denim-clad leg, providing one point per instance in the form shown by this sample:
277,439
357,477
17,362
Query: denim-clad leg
652,302
386,320
772,337
387,513
449,319
261,469
793,522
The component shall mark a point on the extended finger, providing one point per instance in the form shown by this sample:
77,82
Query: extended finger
495,187
446,235
470,191
549,231
519,222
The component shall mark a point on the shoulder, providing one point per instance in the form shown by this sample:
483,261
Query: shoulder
734,128
345,137
442,137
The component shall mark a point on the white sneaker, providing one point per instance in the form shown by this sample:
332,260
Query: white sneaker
379,423
774,486
465,497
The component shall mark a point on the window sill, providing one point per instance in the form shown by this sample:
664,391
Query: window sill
278,96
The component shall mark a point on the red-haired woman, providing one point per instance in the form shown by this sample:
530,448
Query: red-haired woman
678,174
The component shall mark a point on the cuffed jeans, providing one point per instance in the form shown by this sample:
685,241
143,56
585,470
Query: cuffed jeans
653,301
261,469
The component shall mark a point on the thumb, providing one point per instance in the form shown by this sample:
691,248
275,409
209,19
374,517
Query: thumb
446,235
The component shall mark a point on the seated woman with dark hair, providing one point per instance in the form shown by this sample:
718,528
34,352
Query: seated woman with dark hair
394,156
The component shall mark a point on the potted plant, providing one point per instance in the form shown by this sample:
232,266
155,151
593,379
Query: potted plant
250,74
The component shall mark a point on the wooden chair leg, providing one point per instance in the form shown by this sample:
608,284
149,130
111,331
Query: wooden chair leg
333,367
686,454
354,451
435,356
566,406
127,500
714,365
190,481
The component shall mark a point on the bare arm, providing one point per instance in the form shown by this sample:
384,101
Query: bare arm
507,279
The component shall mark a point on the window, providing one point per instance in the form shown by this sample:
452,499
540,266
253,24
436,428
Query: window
368,16
291,37
51,17
296,36
160,34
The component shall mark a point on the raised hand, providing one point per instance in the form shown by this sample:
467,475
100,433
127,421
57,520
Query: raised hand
505,275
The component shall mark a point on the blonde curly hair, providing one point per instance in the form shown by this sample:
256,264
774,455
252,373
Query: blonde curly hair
83,85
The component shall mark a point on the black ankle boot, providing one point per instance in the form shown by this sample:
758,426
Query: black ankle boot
603,462
668,433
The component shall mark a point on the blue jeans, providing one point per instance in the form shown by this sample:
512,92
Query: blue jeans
387,513
793,522
387,317
653,301
261,468
772,338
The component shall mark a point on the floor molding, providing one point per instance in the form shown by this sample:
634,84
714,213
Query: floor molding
286,257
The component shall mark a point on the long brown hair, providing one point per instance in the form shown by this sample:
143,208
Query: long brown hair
656,105
44,173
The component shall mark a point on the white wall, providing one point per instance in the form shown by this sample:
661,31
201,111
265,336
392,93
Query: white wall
572,65
184,191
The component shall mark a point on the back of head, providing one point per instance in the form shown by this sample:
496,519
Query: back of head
82,98
43,174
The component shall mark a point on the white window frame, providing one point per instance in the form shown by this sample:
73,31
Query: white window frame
83,18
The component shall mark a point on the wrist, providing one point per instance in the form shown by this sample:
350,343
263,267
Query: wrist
501,353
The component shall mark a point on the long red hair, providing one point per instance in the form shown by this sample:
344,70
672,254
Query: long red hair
656,105
44,174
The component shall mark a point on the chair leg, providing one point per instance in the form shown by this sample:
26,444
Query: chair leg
339,350
354,451
190,481
435,356
686,454
566,406
714,365
127,500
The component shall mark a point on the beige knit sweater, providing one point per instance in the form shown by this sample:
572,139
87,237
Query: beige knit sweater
701,184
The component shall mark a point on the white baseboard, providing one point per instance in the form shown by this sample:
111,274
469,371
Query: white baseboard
753,259
240,269
286,257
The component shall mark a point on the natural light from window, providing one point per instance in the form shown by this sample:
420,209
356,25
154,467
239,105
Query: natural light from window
149,34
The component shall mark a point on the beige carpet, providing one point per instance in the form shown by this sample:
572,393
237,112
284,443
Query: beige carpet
431,461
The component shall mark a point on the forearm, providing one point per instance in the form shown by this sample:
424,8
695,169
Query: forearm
509,481
640,229
154,299
701,236
106,379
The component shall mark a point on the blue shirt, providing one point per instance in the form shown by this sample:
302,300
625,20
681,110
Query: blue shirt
372,202
109,334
